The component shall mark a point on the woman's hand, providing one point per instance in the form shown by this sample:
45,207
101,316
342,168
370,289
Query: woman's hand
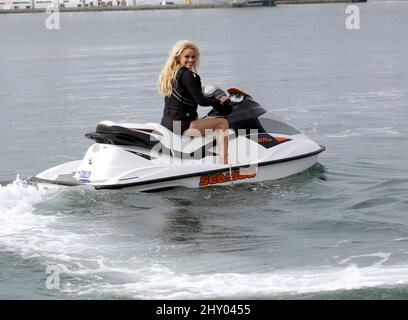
223,99
225,106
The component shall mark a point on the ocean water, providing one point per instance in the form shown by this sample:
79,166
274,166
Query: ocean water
337,231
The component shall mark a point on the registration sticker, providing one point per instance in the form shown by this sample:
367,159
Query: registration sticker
84,175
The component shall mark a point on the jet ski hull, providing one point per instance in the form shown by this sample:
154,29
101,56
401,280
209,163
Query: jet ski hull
224,176
203,176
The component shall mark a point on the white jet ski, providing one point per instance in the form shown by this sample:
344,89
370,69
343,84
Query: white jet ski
148,156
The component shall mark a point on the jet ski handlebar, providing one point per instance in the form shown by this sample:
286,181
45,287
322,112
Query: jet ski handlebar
236,96
240,106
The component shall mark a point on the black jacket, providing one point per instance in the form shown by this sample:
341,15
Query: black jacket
187,94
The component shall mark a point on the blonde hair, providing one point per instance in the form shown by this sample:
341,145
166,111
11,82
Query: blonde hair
173,65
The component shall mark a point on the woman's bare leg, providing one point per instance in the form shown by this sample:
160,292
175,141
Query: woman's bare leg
218,124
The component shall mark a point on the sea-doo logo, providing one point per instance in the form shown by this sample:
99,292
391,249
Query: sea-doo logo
216,178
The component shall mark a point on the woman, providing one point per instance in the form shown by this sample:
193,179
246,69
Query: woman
181,86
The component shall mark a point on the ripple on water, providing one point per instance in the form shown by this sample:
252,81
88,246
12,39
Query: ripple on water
373,203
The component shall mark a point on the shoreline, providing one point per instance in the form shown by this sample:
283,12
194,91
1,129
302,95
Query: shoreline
176,6
130,8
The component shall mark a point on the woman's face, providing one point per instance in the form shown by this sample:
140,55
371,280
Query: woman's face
188,58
